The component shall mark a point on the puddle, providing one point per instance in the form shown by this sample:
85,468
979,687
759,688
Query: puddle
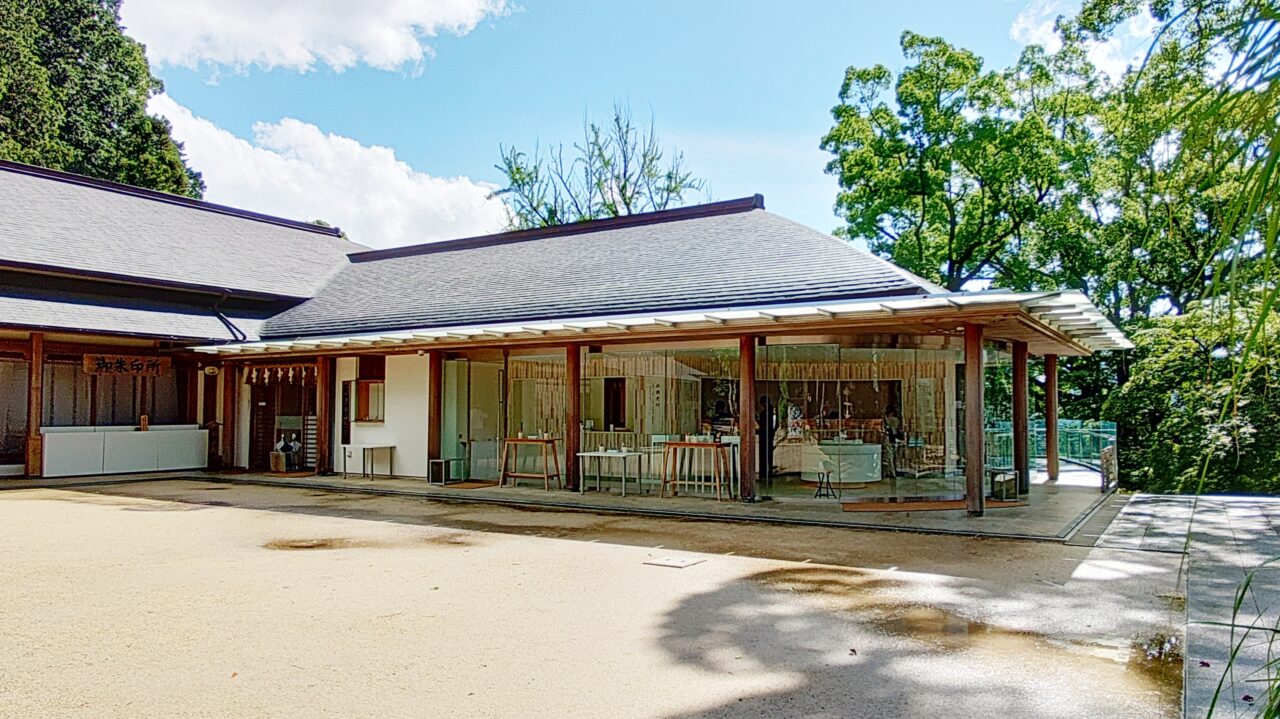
1160,658
1150,665
447,540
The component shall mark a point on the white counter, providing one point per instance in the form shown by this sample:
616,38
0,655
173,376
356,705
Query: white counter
70,451
850,462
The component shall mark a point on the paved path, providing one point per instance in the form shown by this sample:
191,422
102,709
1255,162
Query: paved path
1226,539
1231,537
1152,522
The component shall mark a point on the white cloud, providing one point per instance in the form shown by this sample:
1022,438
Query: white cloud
386,34
1034,25
294,169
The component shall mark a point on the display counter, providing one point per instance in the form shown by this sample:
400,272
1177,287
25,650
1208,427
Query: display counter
71,451
851,462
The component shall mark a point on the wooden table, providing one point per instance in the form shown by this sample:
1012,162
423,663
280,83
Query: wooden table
546,449
600,457
671,454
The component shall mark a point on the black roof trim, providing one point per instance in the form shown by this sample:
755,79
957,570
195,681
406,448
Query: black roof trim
710,209
93,182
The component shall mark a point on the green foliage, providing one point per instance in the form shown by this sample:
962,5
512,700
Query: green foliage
1187,368
617,169
73,94
954,176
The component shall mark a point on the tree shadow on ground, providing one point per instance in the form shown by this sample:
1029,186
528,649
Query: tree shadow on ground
842,643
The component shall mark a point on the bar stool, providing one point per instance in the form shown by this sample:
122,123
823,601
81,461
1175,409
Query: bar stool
825,488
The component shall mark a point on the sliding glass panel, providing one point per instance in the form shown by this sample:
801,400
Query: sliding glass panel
13,411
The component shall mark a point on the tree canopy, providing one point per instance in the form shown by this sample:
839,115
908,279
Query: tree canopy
73,94
1153,192
616,169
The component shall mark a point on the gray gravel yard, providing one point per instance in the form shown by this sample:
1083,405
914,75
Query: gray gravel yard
191,599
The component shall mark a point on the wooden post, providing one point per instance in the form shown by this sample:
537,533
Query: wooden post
572,412
1051,416
1021,446
324,415
35,407
230,395
435,402
190,376
974,434
747,418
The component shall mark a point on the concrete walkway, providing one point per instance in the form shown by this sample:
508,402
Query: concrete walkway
1231,539
1231,545
1053,511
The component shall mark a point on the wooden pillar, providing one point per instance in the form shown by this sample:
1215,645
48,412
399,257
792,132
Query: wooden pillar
35,407
747,418
190,376
974,435
230,396
572,412
435,402
1051,416
324,415
1021,445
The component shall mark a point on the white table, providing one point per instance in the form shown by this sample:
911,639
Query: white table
600,457
366,458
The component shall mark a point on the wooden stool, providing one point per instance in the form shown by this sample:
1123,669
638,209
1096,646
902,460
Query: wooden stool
547,450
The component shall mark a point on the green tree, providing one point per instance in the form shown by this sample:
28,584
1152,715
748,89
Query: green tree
1170,411
954,175
73,94
616,169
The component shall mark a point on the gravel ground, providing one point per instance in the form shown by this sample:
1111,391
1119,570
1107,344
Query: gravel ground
186,599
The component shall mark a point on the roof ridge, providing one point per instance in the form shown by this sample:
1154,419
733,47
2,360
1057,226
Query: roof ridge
708,209
72,178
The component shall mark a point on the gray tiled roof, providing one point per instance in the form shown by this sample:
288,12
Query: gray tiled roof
739,257
55,220
94,315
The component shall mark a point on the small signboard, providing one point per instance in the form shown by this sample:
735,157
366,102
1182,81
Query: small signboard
127,365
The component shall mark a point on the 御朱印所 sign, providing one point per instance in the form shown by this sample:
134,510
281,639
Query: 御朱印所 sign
129,365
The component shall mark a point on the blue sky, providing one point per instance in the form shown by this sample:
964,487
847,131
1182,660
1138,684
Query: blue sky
744,88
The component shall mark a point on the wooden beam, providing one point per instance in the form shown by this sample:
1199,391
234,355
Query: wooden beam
435,402
230,387
572,412
747,418
324,415
1051,415
1021,445
35,406
974,434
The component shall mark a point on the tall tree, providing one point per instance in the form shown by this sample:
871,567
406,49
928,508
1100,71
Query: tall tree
73,94
950,176
616,169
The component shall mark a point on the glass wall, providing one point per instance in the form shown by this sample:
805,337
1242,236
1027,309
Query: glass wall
641,398
13,411
877,415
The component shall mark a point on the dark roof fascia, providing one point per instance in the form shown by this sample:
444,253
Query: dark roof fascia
268,336
188,341
58,271
165,197
710,209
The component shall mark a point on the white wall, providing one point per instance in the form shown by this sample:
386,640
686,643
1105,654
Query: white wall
405,424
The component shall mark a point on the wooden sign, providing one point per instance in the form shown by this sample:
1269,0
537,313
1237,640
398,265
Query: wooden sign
127,365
